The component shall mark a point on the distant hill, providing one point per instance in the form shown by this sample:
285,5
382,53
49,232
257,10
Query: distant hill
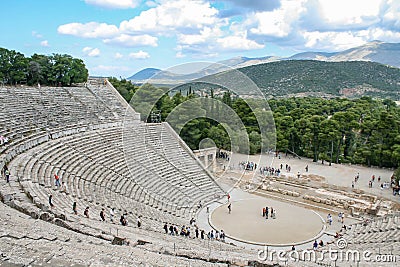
376,51
144,74
385,53
319,78
312,56
157,76
299,78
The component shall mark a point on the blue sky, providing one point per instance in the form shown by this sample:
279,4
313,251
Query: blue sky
121,37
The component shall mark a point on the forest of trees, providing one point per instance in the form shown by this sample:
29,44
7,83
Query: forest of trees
360,131
53,70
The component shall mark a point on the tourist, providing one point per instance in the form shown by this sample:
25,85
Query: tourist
197,232
222,236
293,248
329,219
202,234
51,201
229,208
229,197
102,215
3,140
86,212
321,243
298,175
57,180
63,188
183,231
263,212
7,174
273,215
266,212
315,245
139,223
175,230
112,213
306,168
188,231
122,220
74,209
166,228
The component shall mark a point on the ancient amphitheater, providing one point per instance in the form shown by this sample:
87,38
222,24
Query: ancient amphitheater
106,158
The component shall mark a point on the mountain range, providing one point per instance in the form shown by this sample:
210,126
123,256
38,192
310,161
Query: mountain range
376,51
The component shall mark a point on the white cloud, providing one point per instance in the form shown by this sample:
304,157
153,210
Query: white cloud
238,43
44,43
91,52
333,40
132,41
151,4
349,13
204,36
121,4
139,55
170,16
36,34
201,30
118,55
391,15
278,22
180,55
89,30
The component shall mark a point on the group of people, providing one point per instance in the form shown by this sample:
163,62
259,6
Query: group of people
371,182
61,185
248,165
329,219
316,244
266,212
222,155
270,171
123,219
185,231
341,216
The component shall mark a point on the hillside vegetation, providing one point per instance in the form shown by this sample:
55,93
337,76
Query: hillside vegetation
318,78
